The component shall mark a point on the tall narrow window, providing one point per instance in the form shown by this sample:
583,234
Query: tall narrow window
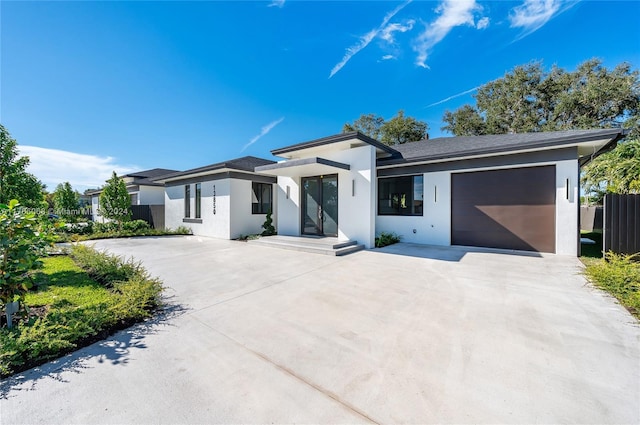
198,200
401,195
261,198
187,201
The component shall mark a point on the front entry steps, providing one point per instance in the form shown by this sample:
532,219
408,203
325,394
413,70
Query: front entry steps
313,244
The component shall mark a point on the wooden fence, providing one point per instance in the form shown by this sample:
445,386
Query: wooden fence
621,224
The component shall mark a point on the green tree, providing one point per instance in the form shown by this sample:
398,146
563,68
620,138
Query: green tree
466,121
529,99
368,124
15,181
115,203
617,171
398,130
23,242
66,201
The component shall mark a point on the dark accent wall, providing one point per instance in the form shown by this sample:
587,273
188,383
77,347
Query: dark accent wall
493,161
621,224
152,214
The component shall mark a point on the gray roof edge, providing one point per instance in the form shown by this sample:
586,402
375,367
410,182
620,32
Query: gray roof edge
214,167
558,142
341,137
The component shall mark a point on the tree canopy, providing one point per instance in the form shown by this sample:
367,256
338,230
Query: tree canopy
115,203
15,181
65,201
529,99
398,130
617,171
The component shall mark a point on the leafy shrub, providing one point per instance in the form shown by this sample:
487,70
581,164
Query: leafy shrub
80,311
22,242
105,268
620,276
386,238
135,226
107,227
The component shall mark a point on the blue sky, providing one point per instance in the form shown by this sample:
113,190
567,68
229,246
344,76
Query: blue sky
90,87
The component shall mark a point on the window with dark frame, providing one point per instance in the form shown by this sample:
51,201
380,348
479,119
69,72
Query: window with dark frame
261,197
198,200
187,201
402,195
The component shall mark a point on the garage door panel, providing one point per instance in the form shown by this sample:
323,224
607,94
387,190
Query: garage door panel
511,209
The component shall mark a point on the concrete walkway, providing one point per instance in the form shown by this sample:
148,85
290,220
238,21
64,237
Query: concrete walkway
406,334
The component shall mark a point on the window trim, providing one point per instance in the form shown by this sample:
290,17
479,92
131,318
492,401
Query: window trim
412,191
187,201
198,200
260,203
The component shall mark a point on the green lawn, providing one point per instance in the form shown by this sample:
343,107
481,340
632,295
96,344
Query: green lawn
70,309
591,251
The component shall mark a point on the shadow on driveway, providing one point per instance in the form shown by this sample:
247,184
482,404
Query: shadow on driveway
448,253
115,350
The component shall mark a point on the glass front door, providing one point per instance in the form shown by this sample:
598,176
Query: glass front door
320,205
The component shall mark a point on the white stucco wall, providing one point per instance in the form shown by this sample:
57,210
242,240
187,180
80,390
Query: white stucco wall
567,207
232,216
356,211
288,217
434,227
151,195
243,222
215,225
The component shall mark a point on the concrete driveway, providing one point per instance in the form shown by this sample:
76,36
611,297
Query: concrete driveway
407,334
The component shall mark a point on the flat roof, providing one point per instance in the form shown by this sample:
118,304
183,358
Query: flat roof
336,138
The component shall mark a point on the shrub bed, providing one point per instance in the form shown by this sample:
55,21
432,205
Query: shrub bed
79,299
386,238
111,230
619,275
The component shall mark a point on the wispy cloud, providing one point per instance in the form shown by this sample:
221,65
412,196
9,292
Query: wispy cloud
534,14
453,97
388,57
277,3
387,32
263,132
453,13
366,39
482,23
83,171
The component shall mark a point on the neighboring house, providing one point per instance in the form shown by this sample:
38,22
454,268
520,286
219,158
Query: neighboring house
512,191
142,188
223,200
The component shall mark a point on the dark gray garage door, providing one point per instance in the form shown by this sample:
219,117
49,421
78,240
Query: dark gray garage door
510,209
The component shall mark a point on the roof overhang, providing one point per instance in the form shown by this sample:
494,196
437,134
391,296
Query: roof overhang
333,143
587,148
314,166
183,175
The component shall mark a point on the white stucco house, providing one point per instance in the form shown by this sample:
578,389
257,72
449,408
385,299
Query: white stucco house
512,191
142,189
223,200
